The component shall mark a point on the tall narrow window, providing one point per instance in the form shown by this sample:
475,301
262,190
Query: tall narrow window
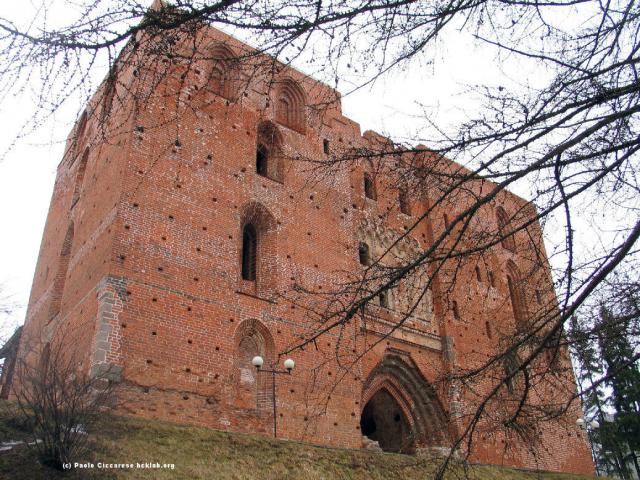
478,276
269,157
513,298
502,218
487,327
383,298
249,252
511,365
404,202
454,308
516,295
325,146
363,254
45,358
369,187
262,160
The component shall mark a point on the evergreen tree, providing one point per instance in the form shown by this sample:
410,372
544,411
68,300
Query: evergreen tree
624,379
589,369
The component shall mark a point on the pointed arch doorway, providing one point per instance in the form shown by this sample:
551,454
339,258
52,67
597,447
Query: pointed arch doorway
383,420
401,410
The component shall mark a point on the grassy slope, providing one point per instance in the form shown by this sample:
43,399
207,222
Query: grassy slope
200,453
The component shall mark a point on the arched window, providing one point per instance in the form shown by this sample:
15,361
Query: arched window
518,303
290,106
269,158
222,72
383,298
369,186
257,251
502,218
262,160
252,389
249,252
363,254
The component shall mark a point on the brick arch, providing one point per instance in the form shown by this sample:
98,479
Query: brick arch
253,327
256,213
253,391
213,70
291,105
415,396
516,294
266,251
223,73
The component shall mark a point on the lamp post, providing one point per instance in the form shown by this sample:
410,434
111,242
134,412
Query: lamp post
257,362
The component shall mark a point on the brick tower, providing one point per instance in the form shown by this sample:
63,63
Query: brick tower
188,232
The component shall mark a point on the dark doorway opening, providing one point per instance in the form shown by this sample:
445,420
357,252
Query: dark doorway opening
382,420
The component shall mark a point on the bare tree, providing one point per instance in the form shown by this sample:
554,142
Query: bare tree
59,401
9,339
570,142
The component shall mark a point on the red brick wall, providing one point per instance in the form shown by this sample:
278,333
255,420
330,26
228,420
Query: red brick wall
153,288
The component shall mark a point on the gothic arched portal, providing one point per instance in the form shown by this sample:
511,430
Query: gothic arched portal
401,410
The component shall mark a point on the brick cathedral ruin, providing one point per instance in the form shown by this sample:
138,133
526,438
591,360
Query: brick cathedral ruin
188,233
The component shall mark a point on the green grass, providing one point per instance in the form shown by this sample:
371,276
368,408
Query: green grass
201,453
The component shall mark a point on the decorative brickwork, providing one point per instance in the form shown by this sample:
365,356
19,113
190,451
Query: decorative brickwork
400,379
